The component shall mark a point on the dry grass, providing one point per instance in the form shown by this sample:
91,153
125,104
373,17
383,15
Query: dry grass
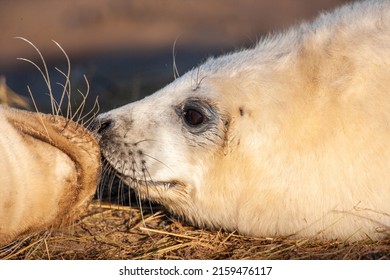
121,232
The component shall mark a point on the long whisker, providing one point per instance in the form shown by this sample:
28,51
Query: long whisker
67,87
36,108
82,106
174,66
45,72
159,161
93,112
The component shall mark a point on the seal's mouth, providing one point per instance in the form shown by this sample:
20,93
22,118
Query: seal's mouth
134,182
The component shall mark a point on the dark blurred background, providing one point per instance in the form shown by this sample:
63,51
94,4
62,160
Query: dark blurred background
124,47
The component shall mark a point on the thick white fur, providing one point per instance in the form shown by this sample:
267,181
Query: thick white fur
303,141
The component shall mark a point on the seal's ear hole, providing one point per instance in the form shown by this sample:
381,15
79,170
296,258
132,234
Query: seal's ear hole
193,117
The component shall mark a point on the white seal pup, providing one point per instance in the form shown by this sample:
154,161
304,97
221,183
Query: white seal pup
289,138
49,170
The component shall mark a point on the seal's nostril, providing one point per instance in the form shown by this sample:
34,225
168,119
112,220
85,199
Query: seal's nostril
104,126
100,126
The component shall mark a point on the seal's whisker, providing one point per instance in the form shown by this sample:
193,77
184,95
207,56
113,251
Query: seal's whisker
45,78
120,198
56,106
66,91
110,185
145,140
118,169
106,168
59,103
45,72
105,173
39,116
80,109
142,211
174,66
147,174
67,87
159,161
196,80
93,112
143,169
36,66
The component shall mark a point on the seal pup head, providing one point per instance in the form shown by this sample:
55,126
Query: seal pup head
161,145
288,138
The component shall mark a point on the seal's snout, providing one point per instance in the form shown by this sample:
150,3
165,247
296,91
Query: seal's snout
101,125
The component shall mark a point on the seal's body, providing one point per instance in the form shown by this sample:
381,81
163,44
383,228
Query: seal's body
291,137
49,170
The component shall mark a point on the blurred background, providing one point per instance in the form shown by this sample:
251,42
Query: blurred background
125,47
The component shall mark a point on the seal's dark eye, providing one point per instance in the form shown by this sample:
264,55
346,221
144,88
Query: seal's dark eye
193,117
